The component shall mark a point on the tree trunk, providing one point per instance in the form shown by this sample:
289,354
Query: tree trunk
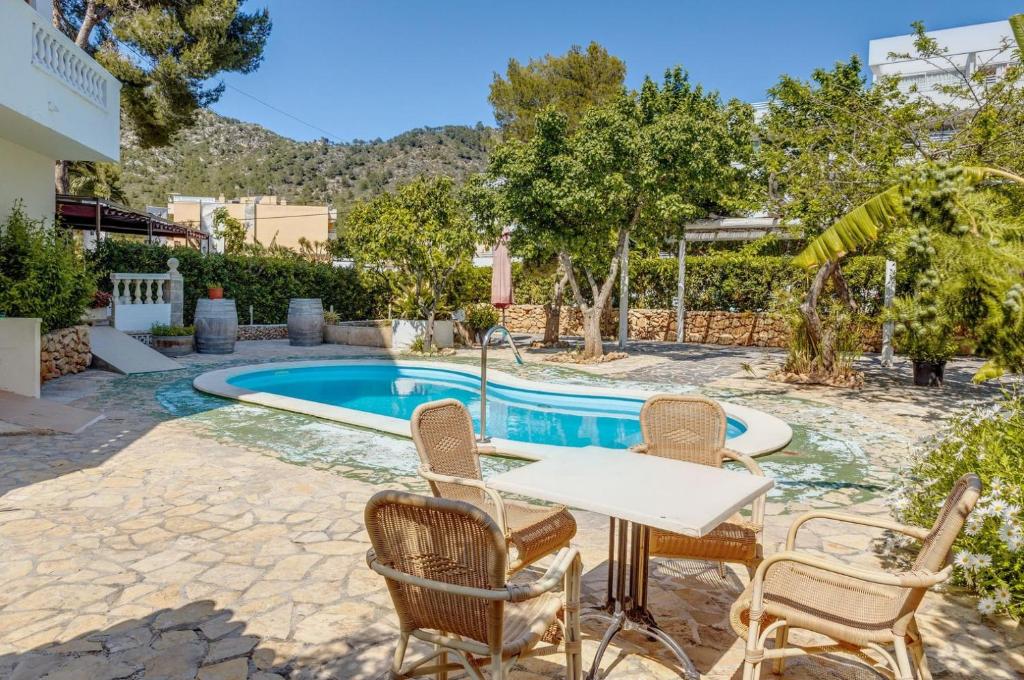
553,310
428,334
593,346
61,181
822,345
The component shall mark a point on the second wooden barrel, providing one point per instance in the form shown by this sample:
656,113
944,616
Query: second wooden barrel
216,323
305,321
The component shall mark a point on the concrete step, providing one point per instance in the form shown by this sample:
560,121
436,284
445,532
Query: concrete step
120,352
24,414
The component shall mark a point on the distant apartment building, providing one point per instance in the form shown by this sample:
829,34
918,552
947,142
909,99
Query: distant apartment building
979,48
267,219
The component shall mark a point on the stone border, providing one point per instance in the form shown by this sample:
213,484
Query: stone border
765,433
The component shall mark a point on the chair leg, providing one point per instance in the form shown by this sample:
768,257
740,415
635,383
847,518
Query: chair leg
751,670
442,659
781,639
573,636
396,663
497,668
917,653
721,570
903,669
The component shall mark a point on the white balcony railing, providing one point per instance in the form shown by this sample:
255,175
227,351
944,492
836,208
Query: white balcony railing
54,53
140,289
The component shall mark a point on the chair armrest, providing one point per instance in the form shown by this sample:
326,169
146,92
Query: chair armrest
640,448
877,522
440,586
744,460
552,578
496,499
908,579
757,507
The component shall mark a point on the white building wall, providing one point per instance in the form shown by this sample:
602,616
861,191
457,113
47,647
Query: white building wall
26,175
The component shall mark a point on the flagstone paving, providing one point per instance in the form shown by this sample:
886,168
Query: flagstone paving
177,538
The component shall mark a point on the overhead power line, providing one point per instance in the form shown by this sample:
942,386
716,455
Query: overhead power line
328,133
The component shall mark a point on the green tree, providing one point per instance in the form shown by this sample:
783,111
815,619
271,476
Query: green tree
637,168
424,231
164,52
570,83
230,229
827,145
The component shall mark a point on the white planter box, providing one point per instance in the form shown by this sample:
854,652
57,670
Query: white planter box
405,331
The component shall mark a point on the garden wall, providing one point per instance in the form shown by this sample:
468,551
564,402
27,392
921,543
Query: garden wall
759,329
64,351
263,331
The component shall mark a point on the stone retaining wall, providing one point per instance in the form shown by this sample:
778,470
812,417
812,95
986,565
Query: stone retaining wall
759,329
64,351
269,331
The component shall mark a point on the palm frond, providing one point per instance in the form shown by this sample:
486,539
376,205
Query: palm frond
860,226
1017,24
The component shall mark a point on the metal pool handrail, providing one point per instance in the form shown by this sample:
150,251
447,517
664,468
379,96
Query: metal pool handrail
483,438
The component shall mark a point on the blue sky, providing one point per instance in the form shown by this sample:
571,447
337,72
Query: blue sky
375,68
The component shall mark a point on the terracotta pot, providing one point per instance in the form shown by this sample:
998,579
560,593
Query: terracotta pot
215,293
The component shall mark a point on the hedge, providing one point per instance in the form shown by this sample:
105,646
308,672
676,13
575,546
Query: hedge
722,281
267,283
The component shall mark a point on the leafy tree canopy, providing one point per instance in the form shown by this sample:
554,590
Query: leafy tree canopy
164,52
569,83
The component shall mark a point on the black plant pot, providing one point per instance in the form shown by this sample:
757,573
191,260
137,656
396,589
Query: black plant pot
929,373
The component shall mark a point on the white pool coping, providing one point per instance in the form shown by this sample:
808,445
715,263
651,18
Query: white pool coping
765,433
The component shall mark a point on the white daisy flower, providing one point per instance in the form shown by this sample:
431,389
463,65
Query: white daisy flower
1002,595
963,559
996,507
987,606
1010,511
1015,542
982,561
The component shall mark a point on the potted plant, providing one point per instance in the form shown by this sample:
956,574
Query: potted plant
99,309
927,337
214,291
478,319
172,341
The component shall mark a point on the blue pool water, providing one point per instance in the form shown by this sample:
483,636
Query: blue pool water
515,413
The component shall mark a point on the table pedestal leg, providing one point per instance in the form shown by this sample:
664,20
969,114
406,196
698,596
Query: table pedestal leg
626,606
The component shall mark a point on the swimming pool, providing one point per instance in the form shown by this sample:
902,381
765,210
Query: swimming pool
524,418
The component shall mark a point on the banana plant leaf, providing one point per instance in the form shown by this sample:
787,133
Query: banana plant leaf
860,226
1017,24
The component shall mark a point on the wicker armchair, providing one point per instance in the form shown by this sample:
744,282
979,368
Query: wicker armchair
443,433
445,566
862,610
692,429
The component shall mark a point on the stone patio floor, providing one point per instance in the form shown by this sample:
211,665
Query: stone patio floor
164,544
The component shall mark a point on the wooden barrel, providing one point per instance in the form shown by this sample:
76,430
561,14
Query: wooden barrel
216,323
305,321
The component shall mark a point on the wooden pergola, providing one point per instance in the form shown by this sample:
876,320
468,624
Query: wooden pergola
734,229
99,215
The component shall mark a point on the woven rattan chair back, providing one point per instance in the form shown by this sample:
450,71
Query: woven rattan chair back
440,540
959,504
445,441
684,427
935,547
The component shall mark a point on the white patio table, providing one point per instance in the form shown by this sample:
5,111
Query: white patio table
637,492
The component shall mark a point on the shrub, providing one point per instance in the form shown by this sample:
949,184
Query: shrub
989,555
161,330
267,282
101,299
42,273
480,317
331,317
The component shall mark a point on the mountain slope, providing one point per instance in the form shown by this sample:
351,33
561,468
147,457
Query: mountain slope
222,155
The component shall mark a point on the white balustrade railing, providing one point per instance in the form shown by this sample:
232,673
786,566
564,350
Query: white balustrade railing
54,53
141,289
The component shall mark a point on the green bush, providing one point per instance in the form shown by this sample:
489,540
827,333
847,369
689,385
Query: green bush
161,330
42,273
741,282
267,282
480,317
989,555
